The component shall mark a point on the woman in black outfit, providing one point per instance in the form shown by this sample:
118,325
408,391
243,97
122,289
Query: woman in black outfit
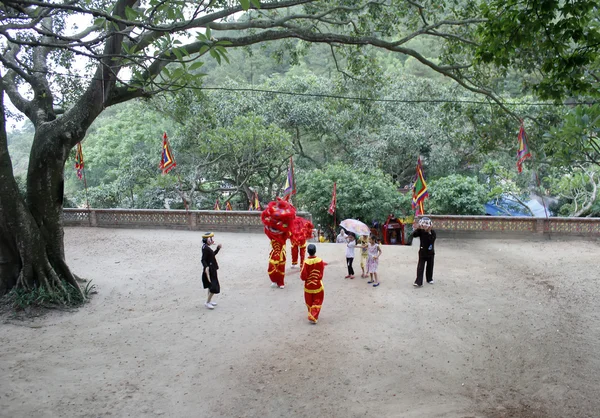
423,230
210,266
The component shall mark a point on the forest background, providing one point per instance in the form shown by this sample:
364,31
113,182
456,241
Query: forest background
233,135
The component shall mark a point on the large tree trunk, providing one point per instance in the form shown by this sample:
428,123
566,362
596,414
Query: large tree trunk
31,243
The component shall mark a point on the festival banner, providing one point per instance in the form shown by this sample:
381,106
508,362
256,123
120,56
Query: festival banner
256,205
523,150
332,205
79,161
167,162
419,190
290,184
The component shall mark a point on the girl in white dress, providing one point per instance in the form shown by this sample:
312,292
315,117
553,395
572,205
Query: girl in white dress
374,251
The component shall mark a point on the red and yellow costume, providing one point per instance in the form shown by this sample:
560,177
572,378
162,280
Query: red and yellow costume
277,218
312,275
302,229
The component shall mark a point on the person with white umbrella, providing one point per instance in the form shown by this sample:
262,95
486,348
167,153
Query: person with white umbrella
350,255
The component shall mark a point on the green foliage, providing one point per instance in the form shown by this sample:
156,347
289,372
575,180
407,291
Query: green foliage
558,41
456,195
41,297
121,151
361,194
577,139
501,181
578,188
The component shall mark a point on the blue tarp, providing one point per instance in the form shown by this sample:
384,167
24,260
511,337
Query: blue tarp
505,206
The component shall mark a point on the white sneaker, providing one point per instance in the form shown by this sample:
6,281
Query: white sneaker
431,282
209,306
213,303
274,285
282,287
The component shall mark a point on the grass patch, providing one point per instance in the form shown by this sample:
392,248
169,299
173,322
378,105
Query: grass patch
40,297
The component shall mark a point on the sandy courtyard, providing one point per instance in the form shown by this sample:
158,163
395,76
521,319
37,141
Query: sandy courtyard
509,329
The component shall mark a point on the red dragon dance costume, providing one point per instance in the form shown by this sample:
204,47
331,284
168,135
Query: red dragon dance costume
302,229
312,275
277,218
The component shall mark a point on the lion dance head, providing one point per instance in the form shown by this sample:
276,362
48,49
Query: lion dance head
277,218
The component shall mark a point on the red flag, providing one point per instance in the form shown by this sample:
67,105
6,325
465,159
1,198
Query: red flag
79,161
523,150
167,162
331,209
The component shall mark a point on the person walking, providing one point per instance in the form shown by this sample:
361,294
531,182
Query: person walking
312,276
210,266
424,231
350,255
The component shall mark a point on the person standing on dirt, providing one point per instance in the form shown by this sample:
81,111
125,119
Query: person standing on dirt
312,276
210,266
423,230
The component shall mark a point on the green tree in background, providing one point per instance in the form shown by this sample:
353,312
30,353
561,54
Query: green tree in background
361,194
456,195
247,154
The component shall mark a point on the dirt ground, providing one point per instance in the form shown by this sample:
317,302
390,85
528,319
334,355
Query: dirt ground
509,329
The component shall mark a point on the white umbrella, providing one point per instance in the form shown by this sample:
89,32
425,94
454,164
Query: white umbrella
356,227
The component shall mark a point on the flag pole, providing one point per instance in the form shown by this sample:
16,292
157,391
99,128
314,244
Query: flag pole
87,201
185,203
334,222
523,153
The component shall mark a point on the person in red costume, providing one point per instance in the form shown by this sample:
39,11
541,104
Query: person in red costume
302,230
277,218
312,276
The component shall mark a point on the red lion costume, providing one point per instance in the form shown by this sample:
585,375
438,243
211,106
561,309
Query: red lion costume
277,218
302,229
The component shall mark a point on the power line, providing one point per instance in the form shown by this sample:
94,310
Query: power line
334,96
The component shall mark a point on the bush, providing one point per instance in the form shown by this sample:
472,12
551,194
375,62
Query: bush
456,195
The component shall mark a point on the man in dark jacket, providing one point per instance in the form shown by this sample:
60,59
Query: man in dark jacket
423,230
210,266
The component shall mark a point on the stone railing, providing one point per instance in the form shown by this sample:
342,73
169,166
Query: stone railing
446,226
517,227
198,220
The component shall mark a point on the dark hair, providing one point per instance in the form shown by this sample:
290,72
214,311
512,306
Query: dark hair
312,249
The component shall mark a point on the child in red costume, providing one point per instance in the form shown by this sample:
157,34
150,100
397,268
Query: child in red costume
312,276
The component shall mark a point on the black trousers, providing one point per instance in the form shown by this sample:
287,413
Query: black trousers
349,264
424,259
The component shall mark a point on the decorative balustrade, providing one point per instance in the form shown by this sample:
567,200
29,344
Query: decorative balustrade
463,226
230,220
512,226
